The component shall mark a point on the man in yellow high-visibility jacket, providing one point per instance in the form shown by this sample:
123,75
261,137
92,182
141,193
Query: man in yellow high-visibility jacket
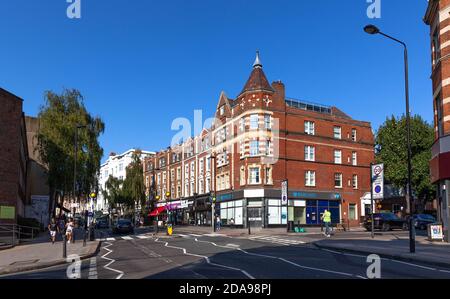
326,218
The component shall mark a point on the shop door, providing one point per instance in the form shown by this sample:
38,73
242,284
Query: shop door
255,217
299,215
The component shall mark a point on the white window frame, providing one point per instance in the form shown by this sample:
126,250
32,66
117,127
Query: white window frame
254,120
310,127
254,150
355,158
267,121
337,156
310,153
339,131
310,178
253,176
355,181
341,179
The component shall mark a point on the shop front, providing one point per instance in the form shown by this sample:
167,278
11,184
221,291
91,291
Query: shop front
202,211
303,208
264,208
231,211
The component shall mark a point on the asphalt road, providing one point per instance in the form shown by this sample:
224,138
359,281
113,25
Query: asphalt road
186,256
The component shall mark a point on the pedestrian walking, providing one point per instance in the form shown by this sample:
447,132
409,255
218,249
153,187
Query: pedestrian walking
53,228
218,221
69,230
326,218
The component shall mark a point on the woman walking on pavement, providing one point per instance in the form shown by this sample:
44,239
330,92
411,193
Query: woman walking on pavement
53,228
69,230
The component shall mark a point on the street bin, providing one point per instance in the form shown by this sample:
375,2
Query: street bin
169,229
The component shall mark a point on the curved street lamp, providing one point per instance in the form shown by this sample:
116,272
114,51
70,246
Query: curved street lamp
372,29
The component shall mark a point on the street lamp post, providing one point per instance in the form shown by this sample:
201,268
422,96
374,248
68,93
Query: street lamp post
213,199
371,29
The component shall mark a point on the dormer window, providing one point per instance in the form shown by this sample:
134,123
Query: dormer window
222,110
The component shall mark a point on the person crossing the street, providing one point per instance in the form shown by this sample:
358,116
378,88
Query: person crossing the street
326,218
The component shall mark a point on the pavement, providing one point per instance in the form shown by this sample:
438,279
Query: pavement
41,253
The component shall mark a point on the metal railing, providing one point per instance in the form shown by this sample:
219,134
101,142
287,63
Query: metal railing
13,234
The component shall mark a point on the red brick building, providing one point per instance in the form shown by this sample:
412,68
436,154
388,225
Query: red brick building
259,139
13,158
438,18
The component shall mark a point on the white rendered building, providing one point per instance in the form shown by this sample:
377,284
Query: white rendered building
115,166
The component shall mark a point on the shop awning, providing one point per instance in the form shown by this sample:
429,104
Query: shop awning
157,211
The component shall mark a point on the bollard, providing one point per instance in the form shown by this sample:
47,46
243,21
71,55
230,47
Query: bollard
64,246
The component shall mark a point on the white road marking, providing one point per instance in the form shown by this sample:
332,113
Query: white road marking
194,235
166,244
111,261
127,238
93,269
414,265
110,239
143,237
387,259
284,260
276,240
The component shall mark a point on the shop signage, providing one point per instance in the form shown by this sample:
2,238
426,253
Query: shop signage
284,192
435,232
223,197
317,195
7,212
257,193
184,204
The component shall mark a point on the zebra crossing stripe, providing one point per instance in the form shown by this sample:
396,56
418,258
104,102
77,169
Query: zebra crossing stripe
93,269
127,238
143,237
110,239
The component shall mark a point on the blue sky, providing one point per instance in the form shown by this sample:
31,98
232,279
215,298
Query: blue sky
142,63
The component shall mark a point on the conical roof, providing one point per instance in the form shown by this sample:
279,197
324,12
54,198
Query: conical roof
257,80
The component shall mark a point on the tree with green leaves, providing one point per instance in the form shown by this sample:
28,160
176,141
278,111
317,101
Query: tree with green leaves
391,149
134,187
59,118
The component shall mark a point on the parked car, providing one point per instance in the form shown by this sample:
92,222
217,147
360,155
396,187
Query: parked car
123,226
102,223
421,221
385,222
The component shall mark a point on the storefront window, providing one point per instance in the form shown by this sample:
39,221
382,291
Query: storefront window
231,211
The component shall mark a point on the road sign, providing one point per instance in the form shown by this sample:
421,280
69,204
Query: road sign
284,192
378,181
